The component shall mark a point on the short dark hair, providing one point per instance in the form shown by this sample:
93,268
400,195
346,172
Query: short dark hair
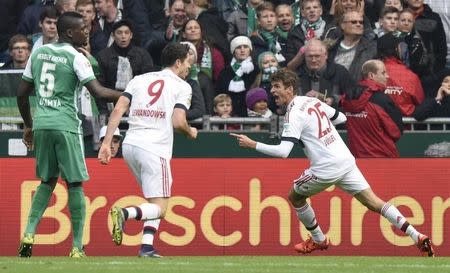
264,6
67,21
387,10
287,77
18,38
49,12
122,23
173,52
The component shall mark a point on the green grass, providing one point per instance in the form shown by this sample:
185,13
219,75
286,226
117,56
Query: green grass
231,264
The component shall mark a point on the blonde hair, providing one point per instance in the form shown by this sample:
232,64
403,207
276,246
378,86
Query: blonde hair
221,98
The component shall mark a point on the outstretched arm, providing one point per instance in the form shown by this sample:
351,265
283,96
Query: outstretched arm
281,150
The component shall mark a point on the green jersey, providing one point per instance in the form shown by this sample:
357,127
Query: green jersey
58,72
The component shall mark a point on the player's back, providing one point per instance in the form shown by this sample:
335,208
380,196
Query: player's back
55,70
154,96
323,145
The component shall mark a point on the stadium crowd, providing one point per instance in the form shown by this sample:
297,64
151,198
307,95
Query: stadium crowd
236,45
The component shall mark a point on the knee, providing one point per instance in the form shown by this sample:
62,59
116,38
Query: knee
296,200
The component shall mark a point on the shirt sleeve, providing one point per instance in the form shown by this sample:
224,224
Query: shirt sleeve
184,97
293,126
130,90
83,69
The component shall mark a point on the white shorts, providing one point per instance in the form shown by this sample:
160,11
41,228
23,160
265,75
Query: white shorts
351,182
151,171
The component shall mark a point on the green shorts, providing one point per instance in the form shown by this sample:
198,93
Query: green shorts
59,152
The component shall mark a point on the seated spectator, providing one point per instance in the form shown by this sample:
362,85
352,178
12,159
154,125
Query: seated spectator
444,90
29,21
197,109
268,65
285,23
265,38
236,78
116,141
242,21
257,104
120,62
404,87
340,7
97,40
19,50
223,108
177,19
374,122
388,21
323,79
430,27
47,23
398,4
417,57
353,49
312,25
209,59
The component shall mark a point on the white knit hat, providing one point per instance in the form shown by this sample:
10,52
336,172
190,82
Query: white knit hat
238,41
191,47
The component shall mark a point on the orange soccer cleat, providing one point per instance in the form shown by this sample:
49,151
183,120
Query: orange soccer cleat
425,246
309,246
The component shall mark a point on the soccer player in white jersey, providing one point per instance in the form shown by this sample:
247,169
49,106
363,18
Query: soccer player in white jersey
309,122
157,103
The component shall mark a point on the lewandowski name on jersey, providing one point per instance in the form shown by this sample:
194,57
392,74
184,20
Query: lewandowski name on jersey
149,113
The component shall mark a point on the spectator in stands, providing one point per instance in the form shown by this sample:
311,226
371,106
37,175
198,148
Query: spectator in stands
120,62
265,37
285,23
177,19
197,109
388,21
116,140
323,79
19,50
398,4
442,7
417,57
236,78
267,64
47,23
340,7
374,122
257,104
404,87
96,37
353,49
223,108
312,25
430,27
111,11
10,14
212,23
242,21
29,22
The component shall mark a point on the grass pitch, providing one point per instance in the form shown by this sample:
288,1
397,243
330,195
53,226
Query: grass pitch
225,264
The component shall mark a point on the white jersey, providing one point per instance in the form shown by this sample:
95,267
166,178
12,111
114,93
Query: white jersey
153,98
308,121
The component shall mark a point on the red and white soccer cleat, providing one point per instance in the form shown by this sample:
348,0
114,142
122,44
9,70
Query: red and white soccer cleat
425,246
309,246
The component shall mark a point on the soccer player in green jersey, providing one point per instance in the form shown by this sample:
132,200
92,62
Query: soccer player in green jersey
57,72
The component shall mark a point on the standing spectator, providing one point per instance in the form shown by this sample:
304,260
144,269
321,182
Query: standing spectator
323,79
223,108
47,23
29,21
353,49
177,19
388,21
120,62
55,132
242,21
404,87
285,23
97,39
268,65
10,13
340,7
430,27
312,25
236,78
19,50
265,38
147,147
331,163
374,122
442,7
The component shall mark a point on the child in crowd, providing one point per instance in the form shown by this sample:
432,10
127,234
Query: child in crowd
257,105
223,108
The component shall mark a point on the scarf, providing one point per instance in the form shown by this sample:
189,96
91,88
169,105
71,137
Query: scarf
193,72
240,68
267,72
281,33
205,56
310,29
272,44
266,114
251,20
296,10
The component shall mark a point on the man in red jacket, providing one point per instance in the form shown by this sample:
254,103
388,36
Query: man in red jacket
374,122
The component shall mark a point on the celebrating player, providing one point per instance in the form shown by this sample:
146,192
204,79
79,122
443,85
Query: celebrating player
157,103
309,122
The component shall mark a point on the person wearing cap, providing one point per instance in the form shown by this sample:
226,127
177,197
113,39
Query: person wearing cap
257,103
237,78
116,140
120,62
267,64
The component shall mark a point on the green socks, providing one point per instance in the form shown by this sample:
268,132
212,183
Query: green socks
77,208
38,207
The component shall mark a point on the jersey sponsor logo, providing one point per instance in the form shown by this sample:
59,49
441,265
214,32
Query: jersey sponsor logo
328,140
149,113
393,90
55,103
55,59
